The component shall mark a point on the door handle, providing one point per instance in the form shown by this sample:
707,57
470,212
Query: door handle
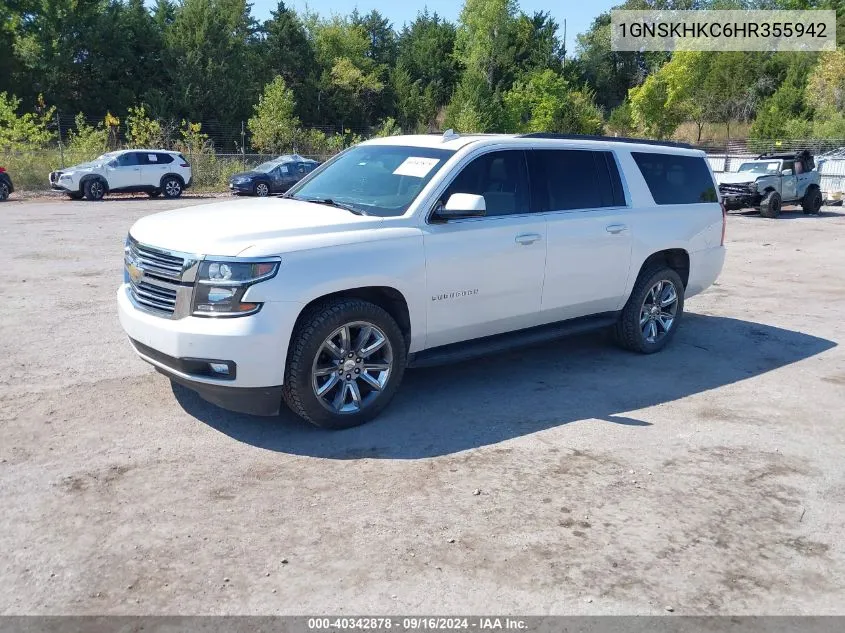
527,238
616,228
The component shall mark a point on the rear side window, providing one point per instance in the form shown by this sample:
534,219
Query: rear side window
164,159
563,180
676,179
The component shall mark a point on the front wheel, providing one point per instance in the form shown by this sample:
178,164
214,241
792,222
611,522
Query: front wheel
812,203
346,360
172,187
650,318
770,206
262,190
94,190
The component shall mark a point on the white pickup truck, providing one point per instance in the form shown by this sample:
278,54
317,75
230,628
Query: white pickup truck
416,250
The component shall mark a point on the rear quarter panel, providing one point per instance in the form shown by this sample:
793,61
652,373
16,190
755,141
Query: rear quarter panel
694,228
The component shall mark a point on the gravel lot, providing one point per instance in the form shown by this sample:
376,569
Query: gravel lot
709,478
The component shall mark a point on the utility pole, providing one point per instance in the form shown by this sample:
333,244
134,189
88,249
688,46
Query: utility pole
563,63
243,145
61,147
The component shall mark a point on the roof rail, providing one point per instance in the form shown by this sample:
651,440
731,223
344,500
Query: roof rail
615,139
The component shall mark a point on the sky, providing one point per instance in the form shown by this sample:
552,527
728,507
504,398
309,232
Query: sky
579,14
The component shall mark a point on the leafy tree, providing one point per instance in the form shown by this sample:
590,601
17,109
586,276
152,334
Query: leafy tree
142,130
651,109
731,84
287,52
274,126
88,140
474,108
210,64
621,120
23,132
426,70
545,102
826,84
485,30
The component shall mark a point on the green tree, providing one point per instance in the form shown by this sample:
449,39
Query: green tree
274,126
651,110
426,70
142,130
484,33
474,108
26,131
286,51
546,102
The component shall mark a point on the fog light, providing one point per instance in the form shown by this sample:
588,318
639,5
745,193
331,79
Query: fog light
219,368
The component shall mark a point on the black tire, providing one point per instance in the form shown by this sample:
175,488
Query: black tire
812,202
4,191
771,204
172,187
75,195
94,189
629,330
155,193
261,189
313,328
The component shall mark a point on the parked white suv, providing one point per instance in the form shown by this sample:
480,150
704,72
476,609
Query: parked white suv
152,171
415,250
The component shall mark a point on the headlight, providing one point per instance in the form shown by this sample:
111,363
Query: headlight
239,180
221,286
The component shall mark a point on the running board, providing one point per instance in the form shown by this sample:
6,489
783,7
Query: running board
465,350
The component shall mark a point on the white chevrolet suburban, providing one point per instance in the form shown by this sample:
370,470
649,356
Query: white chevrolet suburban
414,250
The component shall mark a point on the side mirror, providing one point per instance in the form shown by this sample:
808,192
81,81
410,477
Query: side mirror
786,172
463,205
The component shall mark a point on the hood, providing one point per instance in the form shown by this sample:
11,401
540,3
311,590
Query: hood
735,178
80,167
229,228
248,174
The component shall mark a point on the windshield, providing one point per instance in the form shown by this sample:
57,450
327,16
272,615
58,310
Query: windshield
266,167
769,167
377,179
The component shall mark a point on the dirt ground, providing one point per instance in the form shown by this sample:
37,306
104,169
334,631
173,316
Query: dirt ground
709,478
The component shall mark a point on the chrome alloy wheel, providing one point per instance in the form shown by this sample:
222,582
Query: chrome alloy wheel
172,188
352,367
657,315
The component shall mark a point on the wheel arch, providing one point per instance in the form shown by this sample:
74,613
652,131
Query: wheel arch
170,175
90,177
675,258
388,298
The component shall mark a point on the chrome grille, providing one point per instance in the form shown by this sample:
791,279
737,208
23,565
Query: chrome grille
160,281
154,297
157,262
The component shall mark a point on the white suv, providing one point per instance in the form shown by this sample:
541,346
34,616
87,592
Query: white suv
416,250
152,171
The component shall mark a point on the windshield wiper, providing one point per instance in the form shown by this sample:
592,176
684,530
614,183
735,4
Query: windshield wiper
333,203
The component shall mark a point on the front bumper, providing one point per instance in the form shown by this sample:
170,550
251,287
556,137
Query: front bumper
740,200
256,345
242,187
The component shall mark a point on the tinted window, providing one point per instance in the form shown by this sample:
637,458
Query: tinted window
574,179
500,177
163,158
129,159
675,179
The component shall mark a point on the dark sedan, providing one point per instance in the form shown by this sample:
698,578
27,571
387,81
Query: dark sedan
6,186
274,176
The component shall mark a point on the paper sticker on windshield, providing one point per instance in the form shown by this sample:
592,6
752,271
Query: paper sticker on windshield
416,166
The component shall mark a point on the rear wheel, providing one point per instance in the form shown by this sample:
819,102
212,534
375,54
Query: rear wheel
172,187
654,309
4,191
94,189
812,203
346,360
262,190
770,206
